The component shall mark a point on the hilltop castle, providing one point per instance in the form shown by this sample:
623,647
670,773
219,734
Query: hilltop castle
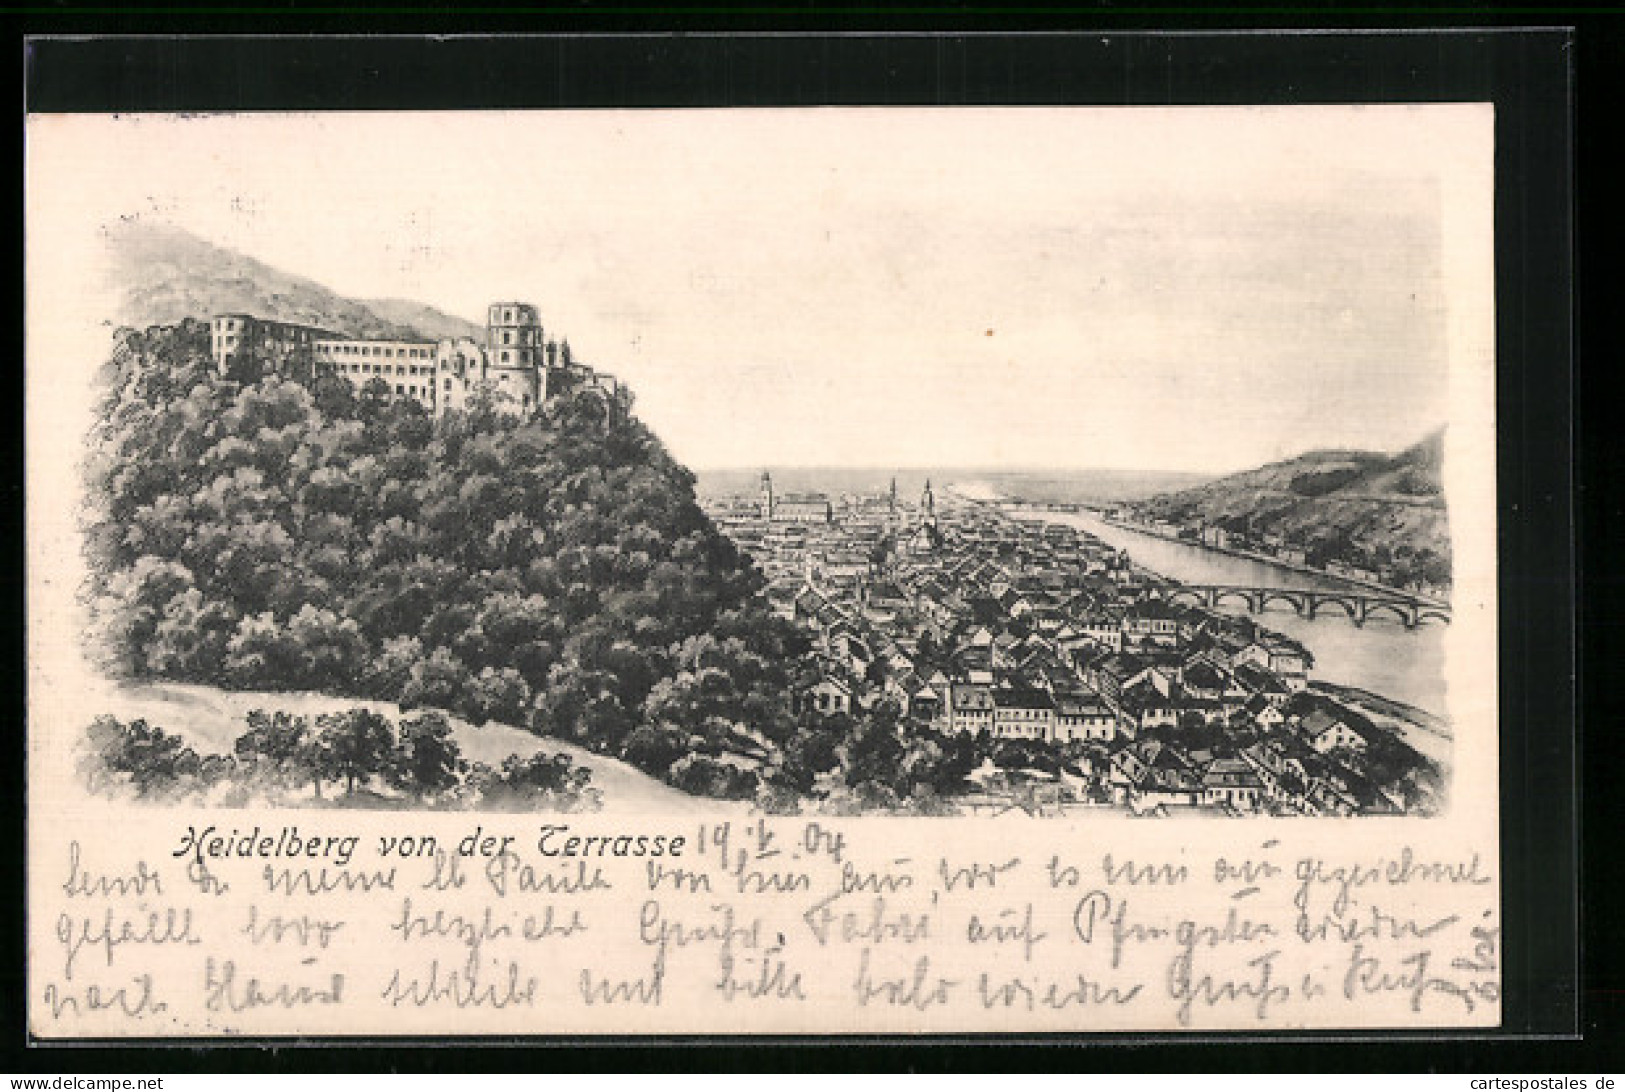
514,363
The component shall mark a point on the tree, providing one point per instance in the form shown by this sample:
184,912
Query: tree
280,746
654,748
703,775
354,746
542,780
293,532
427,758
154,760
331,650
874,749
813,750
278,737
262,655
439,681
498,695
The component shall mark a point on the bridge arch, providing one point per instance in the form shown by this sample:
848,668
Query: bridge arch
1247,597
1194,595
1349,606
1396,610
1267,596
1434,614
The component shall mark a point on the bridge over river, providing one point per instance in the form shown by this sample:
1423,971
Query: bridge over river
1356,604
1398,661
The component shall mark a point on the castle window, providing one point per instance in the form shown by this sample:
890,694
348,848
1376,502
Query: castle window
448,383
398,389
507,337
504,356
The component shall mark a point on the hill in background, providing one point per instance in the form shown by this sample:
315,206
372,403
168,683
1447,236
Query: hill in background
163,275
1360,507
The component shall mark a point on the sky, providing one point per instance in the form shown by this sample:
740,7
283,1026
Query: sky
1167,289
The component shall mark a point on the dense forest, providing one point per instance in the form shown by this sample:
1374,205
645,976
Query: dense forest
285,531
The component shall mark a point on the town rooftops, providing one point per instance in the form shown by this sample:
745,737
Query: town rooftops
1152,610
1077,705
1319,721
1230,773
973,697
1023,698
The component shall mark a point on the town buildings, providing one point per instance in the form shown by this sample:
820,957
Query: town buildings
1021,633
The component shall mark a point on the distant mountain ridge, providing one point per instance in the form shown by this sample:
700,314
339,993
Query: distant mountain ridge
1360,507
163,274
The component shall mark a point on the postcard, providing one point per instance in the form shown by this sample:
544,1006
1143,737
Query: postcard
766,572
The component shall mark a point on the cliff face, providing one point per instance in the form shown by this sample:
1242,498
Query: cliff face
163,275
1361,507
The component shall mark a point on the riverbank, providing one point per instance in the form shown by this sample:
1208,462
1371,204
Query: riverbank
1380,658
1427,734
1268,559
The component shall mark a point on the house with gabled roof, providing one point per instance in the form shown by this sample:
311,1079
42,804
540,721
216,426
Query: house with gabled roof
1326,731
1150,621
831,694
1023,713
1081,716
970,709
1233,783
1264,713
1142,706
1289,660
1264,683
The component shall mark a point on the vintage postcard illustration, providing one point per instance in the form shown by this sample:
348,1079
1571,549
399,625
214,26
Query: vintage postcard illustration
762,571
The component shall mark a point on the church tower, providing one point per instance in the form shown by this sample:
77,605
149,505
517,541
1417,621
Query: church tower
891,503
928,504
767,496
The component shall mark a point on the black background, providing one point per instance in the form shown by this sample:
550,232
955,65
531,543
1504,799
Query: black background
965,55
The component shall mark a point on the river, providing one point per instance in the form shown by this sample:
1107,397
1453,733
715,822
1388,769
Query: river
1382,656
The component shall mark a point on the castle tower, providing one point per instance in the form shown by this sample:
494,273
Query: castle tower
767,496
513,336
